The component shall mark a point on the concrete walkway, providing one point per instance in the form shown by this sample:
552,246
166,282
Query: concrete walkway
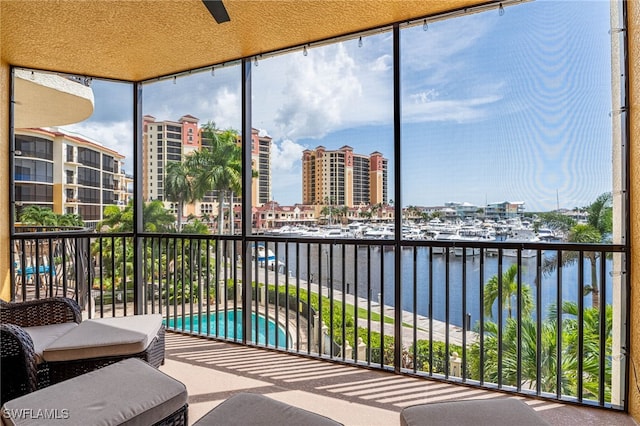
422,323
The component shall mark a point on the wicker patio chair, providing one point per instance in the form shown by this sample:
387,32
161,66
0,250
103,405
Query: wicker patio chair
24,364
32,313
19,369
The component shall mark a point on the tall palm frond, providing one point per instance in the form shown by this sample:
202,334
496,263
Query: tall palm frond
509,293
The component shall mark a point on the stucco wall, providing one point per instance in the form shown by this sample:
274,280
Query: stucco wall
5,270
634,110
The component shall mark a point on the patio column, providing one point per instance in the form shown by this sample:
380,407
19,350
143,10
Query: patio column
619,208
5,252
633,59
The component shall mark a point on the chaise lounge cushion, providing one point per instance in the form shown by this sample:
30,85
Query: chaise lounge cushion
44,335
105,337
249,409
486,412
129,392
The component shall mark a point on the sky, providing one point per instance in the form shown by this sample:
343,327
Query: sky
494,108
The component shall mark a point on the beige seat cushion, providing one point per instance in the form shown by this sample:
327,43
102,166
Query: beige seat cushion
97,338
249,409
45,335
485,412
129,392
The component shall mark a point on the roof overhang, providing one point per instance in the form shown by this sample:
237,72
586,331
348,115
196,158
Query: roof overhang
143,39
43,99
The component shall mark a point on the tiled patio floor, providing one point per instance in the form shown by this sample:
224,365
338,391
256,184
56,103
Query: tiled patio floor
213,371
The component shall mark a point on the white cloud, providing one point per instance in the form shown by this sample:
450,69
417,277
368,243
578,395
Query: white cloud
319,90
201,95
335,87
225,107
117,136
423,109
424,96
286,171
286,155
440,49
382,63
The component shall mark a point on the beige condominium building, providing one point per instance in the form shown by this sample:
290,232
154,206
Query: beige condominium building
261,163
165,141
162,142
342,177
67,173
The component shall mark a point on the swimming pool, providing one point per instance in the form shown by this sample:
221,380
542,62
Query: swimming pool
230,326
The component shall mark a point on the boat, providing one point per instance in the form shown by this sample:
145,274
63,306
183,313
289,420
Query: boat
265,257
380,233
470,251
286,231
313,233
449,233
475,233
337,232
357,229
546,234
521,235
412,233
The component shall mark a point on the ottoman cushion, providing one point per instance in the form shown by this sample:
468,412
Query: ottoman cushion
105,337
45,335
249,409
129,392
486,412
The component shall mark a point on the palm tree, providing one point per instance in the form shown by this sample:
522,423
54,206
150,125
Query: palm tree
548,360
119,250
216,166
509,350
590,349
155,218
600,214
437,215
326,212
365,214
597,230
509,293
38,216
117,220
376,209
559,222
43,216
342,213
70,219
585,233
196,227
178,187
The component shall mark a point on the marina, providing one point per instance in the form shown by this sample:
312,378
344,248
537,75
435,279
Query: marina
513,229
445,287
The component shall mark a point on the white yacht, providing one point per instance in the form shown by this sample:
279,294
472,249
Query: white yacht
546,234
521,235
445,234
384,232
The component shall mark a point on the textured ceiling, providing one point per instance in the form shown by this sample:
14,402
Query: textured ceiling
142,39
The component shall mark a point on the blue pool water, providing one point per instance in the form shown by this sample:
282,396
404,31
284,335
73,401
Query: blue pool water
230,325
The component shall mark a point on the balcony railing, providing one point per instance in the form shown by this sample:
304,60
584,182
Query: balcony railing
540,319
